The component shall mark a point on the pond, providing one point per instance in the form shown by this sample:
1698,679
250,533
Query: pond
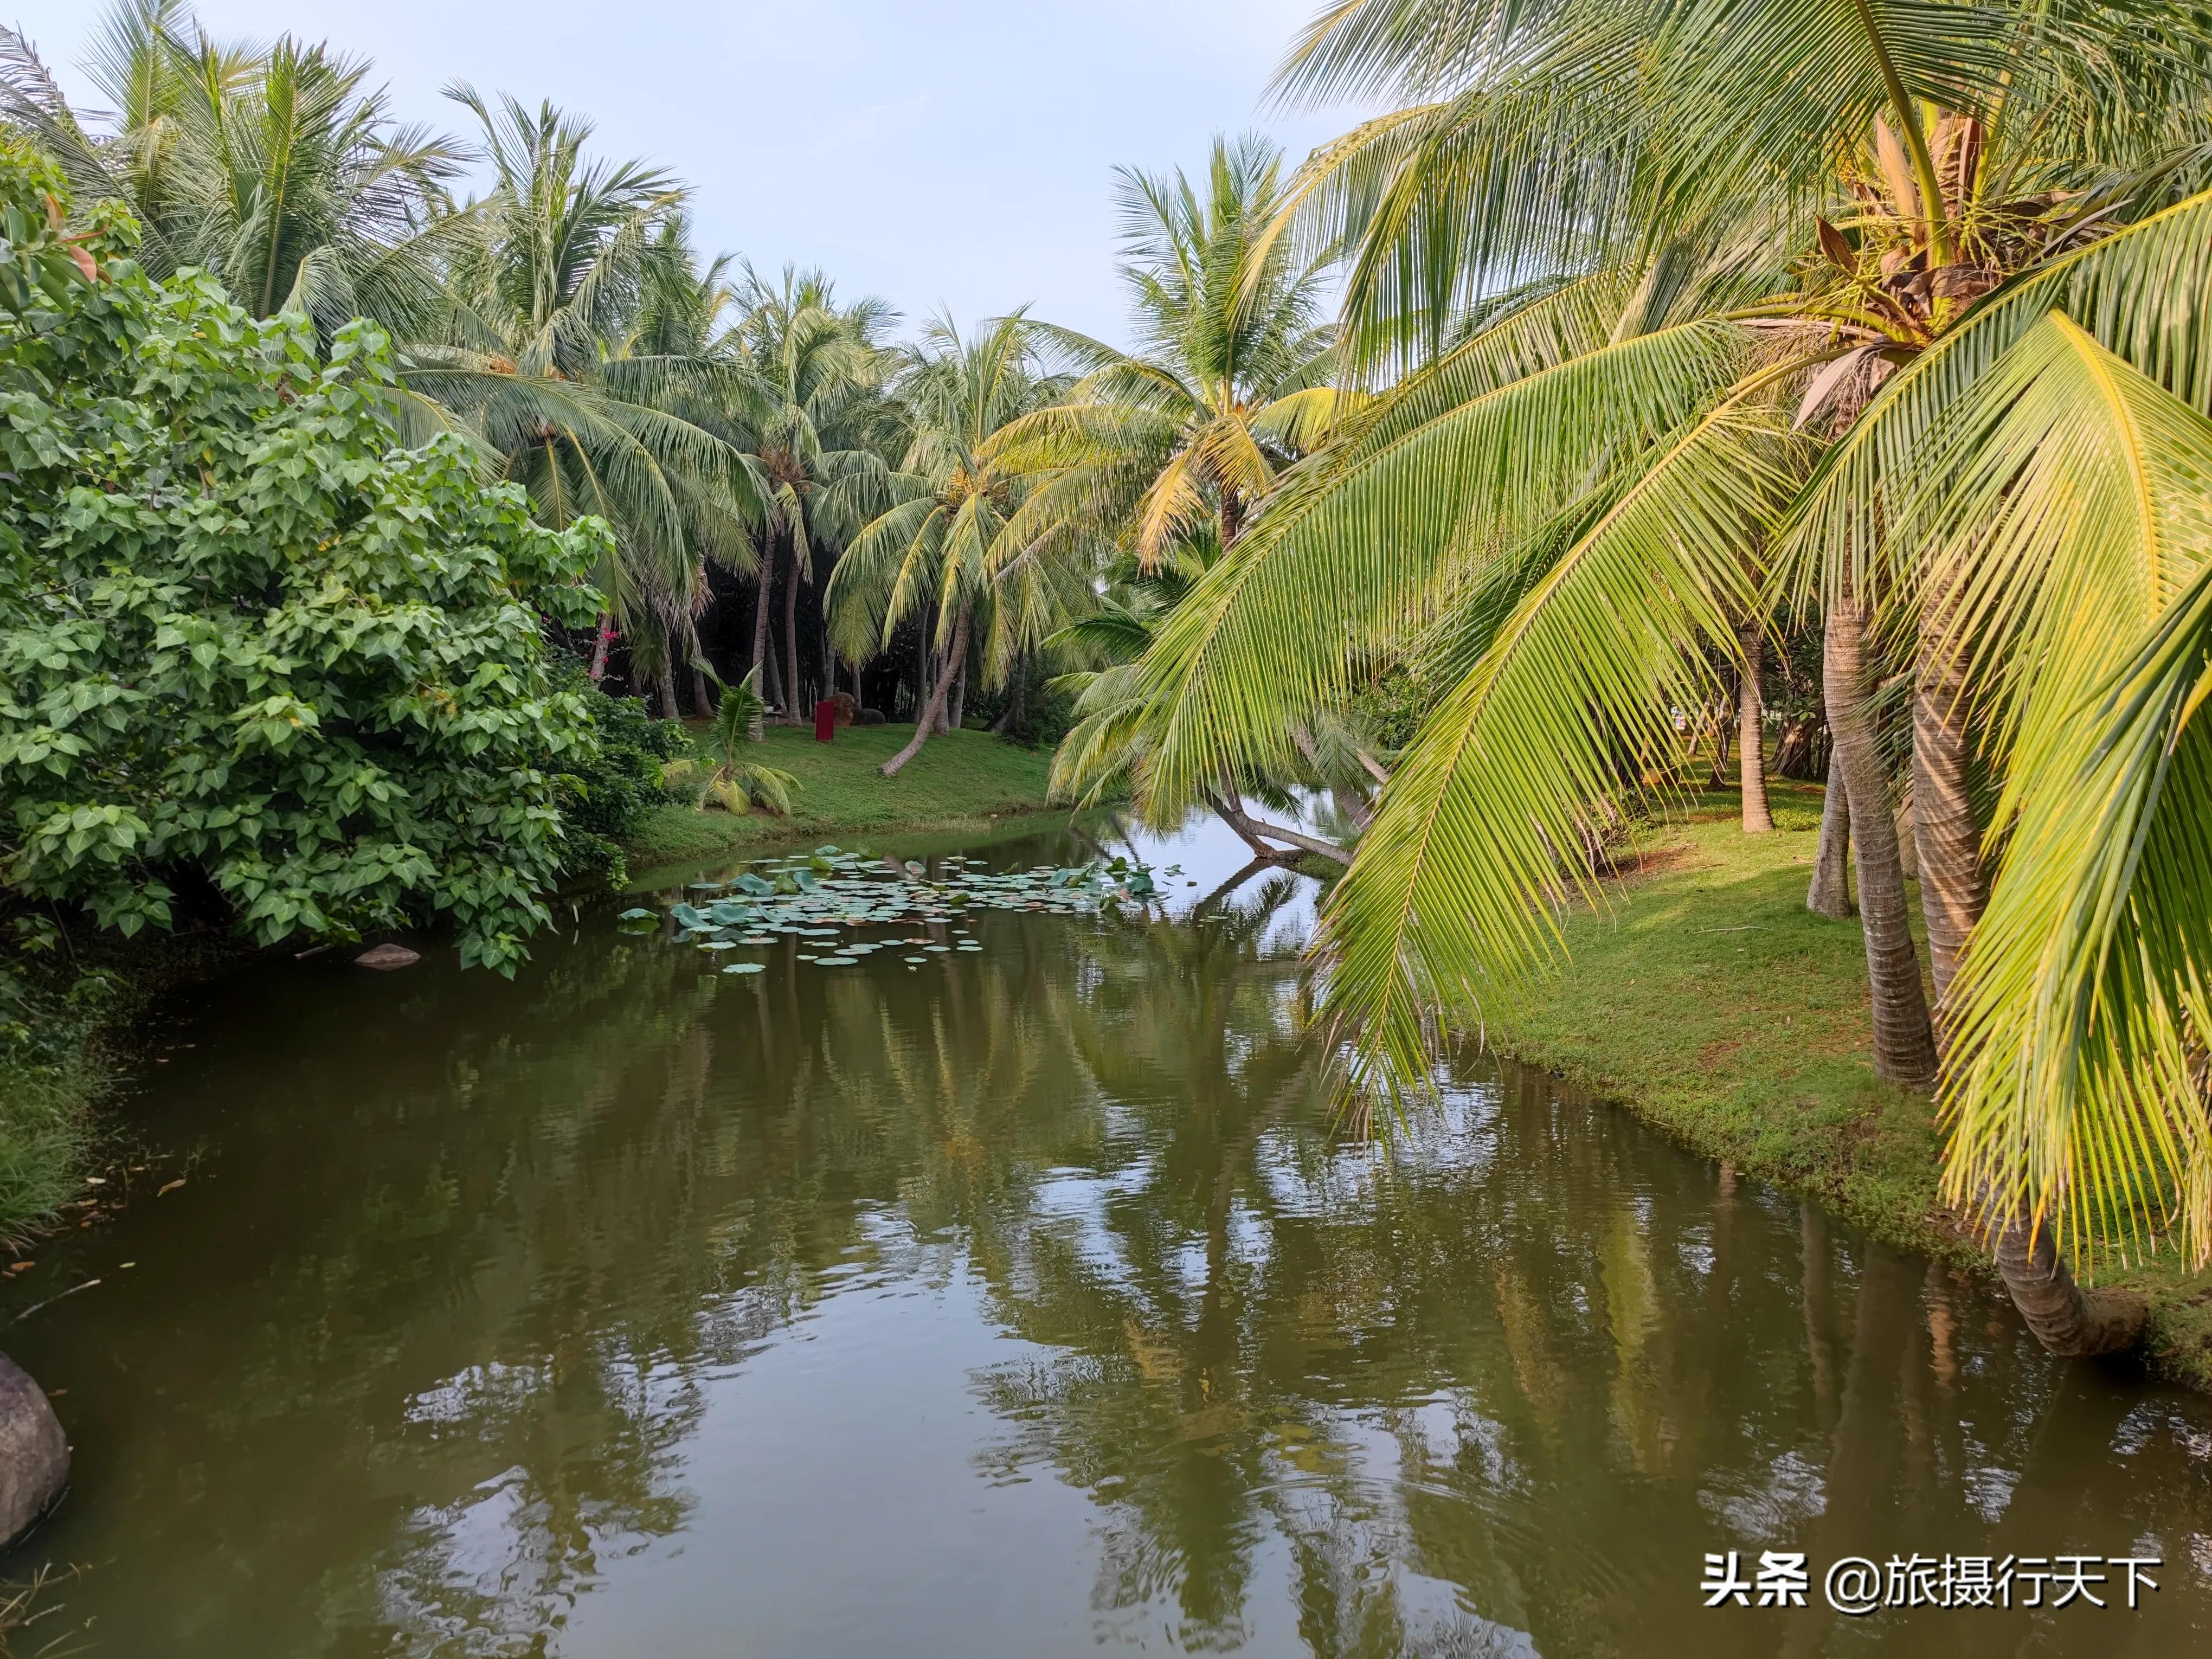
1024,1300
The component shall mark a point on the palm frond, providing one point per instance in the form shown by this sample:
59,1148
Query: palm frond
1449,902
1367,549
2075,521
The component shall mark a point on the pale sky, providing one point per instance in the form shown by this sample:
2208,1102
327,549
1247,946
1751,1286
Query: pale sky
933,152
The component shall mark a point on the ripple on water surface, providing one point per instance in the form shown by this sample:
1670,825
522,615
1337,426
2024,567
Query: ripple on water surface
1022,1297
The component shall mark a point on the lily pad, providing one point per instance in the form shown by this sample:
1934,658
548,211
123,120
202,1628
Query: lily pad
746,967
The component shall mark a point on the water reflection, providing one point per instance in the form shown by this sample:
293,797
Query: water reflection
1026,1304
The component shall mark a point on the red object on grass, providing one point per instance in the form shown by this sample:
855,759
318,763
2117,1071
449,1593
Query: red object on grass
825,721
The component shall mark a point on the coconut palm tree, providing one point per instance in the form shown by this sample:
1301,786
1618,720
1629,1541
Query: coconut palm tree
1566,505
569,343
1105,747
807,411
1230,382
1230,386
280,169
941,547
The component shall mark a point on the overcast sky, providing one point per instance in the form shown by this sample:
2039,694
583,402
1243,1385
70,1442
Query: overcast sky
934,152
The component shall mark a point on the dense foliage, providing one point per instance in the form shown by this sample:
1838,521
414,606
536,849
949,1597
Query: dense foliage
255,659
1873,341
607,786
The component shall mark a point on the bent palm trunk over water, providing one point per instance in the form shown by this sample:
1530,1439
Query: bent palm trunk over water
2067,1319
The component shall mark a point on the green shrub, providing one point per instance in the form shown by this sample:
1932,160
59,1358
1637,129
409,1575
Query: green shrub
606,794
1046,713
255,659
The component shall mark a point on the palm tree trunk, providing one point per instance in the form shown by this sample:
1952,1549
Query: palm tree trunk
668,709
1831,894
766,683
958,709
1231,522
1009,717
603,627
1904,1043
2066,1319
955,661
791,638
1229,806
1750,730
1947,841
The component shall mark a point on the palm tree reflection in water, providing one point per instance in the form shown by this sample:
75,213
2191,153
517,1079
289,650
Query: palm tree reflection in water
542,1278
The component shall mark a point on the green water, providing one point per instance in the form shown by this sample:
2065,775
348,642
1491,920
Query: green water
1026,1304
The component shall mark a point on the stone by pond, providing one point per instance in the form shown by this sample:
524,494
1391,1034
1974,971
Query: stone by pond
34,1459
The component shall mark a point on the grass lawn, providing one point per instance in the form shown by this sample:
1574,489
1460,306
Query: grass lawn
1708,1000
961,781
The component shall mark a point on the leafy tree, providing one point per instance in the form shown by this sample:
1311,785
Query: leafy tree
605,788
257,660
535,321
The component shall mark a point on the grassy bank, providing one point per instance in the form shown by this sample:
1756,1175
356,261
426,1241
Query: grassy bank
1709,1001
48,1085
962,781
60,1015
65,1018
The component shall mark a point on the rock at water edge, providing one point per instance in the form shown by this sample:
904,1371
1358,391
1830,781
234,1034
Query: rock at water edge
34,1452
